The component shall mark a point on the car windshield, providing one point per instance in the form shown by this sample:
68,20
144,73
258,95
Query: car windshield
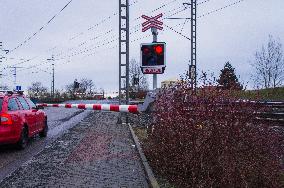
1,101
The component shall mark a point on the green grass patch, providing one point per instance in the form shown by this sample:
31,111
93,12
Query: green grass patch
271,94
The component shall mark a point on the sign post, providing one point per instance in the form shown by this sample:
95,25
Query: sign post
18,88
155,38
154,24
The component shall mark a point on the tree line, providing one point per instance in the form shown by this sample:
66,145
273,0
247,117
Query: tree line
268,69
86,88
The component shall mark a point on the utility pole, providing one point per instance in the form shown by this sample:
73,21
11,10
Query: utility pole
52,82
192,67
15,75
2,57
53,90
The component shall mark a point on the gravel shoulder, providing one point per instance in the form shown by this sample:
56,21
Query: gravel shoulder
97,152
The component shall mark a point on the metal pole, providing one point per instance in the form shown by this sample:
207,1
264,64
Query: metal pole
15,76
120,60
124,52
155,39
127,52
1,57
0,65
193,43
53,80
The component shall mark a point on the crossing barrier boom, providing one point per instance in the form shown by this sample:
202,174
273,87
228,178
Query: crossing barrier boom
103,107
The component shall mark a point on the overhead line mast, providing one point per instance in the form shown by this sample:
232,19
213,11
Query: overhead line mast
124,51
193,43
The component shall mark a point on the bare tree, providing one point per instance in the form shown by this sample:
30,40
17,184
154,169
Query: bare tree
70,90
4,87
138,80
90,86
37,90
269,65
87,86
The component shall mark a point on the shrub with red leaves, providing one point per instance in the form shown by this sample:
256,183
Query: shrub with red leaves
211,139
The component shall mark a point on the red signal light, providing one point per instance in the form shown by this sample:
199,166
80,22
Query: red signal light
158,49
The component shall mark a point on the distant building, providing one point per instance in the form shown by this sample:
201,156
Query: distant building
169,83
111,94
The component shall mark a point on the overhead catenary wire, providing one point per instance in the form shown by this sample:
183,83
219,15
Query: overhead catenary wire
99,23
98,46
40,29
81,44
106,42
168,27
22,62
115,35
112,30
208,13
139,26
201,16
220,9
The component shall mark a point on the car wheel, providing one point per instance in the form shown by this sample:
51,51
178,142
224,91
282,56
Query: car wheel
43,133
23,142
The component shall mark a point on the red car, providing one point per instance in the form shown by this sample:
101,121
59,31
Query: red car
20,119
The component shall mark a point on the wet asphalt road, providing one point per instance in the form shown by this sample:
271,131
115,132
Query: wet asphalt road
59,121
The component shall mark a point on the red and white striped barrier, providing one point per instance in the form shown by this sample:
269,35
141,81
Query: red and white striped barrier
103,107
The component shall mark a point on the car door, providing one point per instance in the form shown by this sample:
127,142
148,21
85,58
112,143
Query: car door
39,115
29,115
14,112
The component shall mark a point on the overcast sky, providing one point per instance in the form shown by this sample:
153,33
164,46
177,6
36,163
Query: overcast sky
233,34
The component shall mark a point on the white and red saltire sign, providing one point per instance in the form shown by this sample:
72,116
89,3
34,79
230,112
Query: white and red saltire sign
152,22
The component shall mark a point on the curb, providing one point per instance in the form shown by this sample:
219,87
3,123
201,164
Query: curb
151,178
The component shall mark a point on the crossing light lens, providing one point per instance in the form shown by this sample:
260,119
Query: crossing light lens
146,51
158,49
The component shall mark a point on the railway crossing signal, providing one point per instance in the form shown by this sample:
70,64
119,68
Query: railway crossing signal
153,54
153,58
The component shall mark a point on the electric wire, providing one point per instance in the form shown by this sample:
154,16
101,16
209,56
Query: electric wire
170,28
103,41
39,30
99,23
203,15
112,30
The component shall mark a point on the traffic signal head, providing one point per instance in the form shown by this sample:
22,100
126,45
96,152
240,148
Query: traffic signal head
153,54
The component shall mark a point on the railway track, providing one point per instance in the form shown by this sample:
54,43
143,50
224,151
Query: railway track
275,114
